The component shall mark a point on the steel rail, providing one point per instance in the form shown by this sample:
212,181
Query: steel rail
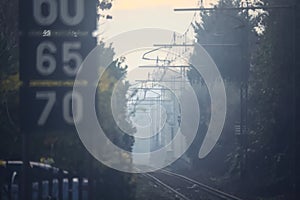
166,186
207,188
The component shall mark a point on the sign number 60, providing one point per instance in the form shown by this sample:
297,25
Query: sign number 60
48,18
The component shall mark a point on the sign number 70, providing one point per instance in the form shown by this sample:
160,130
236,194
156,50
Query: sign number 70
69,115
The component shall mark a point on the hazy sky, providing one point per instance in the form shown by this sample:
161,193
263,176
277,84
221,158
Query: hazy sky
136,14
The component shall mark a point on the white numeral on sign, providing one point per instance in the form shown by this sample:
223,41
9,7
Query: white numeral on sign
69,115
46,63
49,17
51,98
67,107
66,17
39,16
69,55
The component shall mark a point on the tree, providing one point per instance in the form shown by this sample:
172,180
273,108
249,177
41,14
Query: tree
9,82
223,34
112,81
272,143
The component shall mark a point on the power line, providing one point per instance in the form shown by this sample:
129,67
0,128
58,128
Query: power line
235,8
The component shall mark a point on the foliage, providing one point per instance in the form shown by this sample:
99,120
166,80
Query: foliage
271,97
112,82
105,4
223,34
10,143
270,145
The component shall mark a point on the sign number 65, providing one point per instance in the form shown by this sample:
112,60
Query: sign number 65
46,63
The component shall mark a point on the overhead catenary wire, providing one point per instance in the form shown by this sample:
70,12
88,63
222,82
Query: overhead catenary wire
174,40
166,58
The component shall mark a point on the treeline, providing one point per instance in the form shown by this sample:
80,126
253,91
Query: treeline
264,162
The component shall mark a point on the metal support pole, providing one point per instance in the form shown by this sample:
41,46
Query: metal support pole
294,96
235,8
25,185
244,99
24,182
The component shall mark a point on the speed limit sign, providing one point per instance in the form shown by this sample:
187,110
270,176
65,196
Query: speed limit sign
55,38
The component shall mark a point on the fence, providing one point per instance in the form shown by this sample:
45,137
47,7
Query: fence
46,183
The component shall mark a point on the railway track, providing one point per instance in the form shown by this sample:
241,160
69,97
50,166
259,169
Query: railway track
186,188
